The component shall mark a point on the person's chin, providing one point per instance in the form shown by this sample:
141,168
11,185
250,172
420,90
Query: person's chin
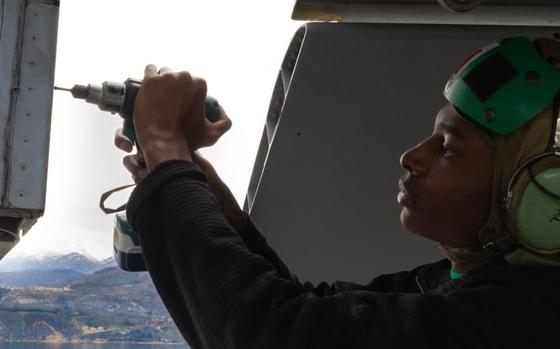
411,222
407,219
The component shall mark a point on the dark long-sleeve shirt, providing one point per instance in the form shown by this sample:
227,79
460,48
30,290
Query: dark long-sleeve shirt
229,289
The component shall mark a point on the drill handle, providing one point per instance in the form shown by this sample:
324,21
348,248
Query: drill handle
132,86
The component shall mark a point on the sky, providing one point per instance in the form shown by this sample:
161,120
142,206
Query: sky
237,46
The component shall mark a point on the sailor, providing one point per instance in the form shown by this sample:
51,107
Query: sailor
485,185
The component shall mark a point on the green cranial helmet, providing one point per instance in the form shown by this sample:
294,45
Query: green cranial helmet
504,85
511,89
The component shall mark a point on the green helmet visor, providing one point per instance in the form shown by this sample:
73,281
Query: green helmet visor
504,85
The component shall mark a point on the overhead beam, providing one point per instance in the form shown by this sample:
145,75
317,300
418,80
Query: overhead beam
520,13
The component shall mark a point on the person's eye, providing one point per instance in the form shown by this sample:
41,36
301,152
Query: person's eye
446,152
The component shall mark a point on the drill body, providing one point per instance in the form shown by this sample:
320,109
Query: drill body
119,98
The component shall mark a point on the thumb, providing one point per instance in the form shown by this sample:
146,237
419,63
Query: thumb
215,130
223,124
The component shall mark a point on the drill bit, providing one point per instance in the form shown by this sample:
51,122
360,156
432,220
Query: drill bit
78,91
62,89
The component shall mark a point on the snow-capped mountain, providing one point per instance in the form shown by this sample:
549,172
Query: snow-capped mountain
74,261
48,270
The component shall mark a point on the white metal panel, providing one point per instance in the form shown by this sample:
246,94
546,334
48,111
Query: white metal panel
32,114
11,12
28,32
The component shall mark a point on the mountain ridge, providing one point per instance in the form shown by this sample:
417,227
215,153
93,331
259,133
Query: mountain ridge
36,278
106,305
72,261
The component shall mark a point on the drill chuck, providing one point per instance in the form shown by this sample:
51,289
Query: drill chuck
109,96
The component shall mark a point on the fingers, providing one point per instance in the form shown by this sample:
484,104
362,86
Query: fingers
150,70
215,130
164,70
140,156
223,124
122,142
137,170
199,88
178,99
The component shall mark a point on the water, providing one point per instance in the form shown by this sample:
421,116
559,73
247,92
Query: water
30,345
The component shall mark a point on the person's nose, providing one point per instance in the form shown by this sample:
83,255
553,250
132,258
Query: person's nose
415,161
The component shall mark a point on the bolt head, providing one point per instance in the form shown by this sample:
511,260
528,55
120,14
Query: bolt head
489,115
532,76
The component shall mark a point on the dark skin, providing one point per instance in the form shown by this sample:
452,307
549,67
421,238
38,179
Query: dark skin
136,164
449,184
445,193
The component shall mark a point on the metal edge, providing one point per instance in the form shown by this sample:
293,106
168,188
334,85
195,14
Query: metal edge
16,9
20,218
315,12
279,95
427,14
35,88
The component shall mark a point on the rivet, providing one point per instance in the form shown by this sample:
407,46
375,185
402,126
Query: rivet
23,167
532,76
33,38
20,194
299,133
29,88
27,114
489,115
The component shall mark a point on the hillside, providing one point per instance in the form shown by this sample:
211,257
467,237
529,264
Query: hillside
108,305
33,278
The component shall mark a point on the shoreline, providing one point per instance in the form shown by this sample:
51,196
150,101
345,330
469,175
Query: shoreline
85,342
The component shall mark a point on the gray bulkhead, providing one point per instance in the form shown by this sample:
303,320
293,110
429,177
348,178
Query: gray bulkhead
350,98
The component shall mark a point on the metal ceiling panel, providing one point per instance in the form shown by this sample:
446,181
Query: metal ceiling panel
349,100
490,12
431,2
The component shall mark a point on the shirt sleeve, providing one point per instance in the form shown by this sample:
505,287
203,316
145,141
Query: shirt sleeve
222,295
256,243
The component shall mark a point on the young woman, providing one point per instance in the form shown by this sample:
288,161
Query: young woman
467,186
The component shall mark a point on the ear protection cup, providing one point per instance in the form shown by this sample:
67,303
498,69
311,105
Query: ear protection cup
511,89
533,202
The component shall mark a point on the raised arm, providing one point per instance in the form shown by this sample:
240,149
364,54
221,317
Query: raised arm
223,295
239,219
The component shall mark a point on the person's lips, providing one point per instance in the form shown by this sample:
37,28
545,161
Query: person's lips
405,198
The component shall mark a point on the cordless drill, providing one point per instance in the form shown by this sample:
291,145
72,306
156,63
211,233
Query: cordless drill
119,98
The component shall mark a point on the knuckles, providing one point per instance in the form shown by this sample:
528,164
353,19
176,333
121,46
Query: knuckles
174,93
150,82
185,77
182,79
200,85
